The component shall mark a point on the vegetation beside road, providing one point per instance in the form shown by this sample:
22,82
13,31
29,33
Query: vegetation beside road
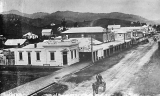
13,76
147,81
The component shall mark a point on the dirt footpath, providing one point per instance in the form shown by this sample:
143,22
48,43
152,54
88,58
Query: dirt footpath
120,76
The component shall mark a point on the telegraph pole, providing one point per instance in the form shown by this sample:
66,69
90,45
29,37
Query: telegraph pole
124,41
124,37
92,49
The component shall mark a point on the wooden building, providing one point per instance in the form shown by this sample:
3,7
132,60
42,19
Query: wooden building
49,53
98,33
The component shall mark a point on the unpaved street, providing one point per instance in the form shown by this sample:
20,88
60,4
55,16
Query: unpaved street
120,75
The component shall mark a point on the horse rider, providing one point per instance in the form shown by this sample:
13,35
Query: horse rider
99,78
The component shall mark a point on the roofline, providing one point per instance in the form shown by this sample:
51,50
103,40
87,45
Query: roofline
60,45
83,32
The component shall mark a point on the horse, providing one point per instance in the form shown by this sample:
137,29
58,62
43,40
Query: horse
96,85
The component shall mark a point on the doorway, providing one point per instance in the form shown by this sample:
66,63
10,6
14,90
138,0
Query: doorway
29,58
65,58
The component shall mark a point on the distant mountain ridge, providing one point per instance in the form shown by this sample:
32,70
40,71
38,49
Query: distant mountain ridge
32,16
79,16
16,23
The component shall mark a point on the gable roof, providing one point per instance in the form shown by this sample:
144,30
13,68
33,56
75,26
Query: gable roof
13,42
46,30
114,26
85,30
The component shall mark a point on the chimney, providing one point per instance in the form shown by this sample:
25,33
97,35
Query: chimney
35,45
19,46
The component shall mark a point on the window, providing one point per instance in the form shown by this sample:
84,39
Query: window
75,53
38,55
20,56
71,54
52,56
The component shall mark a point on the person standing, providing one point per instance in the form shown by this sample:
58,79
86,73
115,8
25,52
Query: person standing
99,78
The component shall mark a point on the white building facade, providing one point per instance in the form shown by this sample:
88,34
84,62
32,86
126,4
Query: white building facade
46,32
48,54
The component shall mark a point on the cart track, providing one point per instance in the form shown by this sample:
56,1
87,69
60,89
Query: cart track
119,76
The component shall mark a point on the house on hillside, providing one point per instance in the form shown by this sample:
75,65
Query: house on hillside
111,27
46,32
14,43
48,53
98,33
30,35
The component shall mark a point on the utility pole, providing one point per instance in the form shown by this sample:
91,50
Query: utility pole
124,37
92,49
124,41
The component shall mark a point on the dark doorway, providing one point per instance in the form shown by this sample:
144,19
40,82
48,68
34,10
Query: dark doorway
94,56
105,53
108,53
85,56
64,58
29,58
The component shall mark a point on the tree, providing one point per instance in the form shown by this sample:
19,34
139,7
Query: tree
63,23
1,25
76,24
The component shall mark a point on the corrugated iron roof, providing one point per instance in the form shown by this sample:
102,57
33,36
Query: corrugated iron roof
114,26
46,30
85,30
13,42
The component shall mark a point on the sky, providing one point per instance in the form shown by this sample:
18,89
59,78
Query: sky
149,9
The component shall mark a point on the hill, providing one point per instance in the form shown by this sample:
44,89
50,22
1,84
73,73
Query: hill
38,15
32,16
105,21
14,26
15,22
77,16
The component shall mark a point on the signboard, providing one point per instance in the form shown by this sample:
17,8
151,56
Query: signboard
74,40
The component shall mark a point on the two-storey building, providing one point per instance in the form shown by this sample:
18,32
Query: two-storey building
98,33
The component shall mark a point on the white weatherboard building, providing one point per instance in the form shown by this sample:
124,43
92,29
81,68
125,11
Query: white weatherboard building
46,32
114,26
49,53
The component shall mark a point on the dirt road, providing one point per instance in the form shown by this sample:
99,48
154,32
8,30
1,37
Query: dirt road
119,76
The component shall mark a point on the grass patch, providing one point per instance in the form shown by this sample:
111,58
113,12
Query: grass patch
147,81
13,78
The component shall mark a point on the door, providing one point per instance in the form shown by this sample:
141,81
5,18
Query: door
29,58
105,53
64,58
